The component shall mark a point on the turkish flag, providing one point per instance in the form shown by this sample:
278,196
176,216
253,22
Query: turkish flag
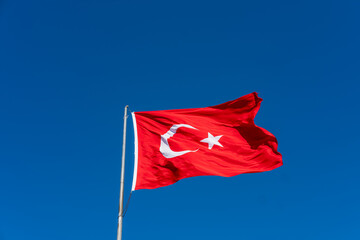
221,140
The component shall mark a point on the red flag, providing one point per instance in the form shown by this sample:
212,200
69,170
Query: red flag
221,140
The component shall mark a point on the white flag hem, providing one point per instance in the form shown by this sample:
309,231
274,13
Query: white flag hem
136,152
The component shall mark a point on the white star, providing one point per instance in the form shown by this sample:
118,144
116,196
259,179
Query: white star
211,140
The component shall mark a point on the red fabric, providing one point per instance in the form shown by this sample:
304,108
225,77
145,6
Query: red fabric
246,148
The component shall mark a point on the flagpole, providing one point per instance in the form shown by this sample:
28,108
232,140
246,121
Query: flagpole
121,200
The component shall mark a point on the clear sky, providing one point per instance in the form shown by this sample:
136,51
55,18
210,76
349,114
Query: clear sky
68,68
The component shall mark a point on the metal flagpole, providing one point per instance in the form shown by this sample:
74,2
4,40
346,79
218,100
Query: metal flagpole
121,201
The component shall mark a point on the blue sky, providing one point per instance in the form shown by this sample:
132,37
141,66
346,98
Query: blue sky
68,68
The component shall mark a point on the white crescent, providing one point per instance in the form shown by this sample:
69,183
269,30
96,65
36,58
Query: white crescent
164,145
